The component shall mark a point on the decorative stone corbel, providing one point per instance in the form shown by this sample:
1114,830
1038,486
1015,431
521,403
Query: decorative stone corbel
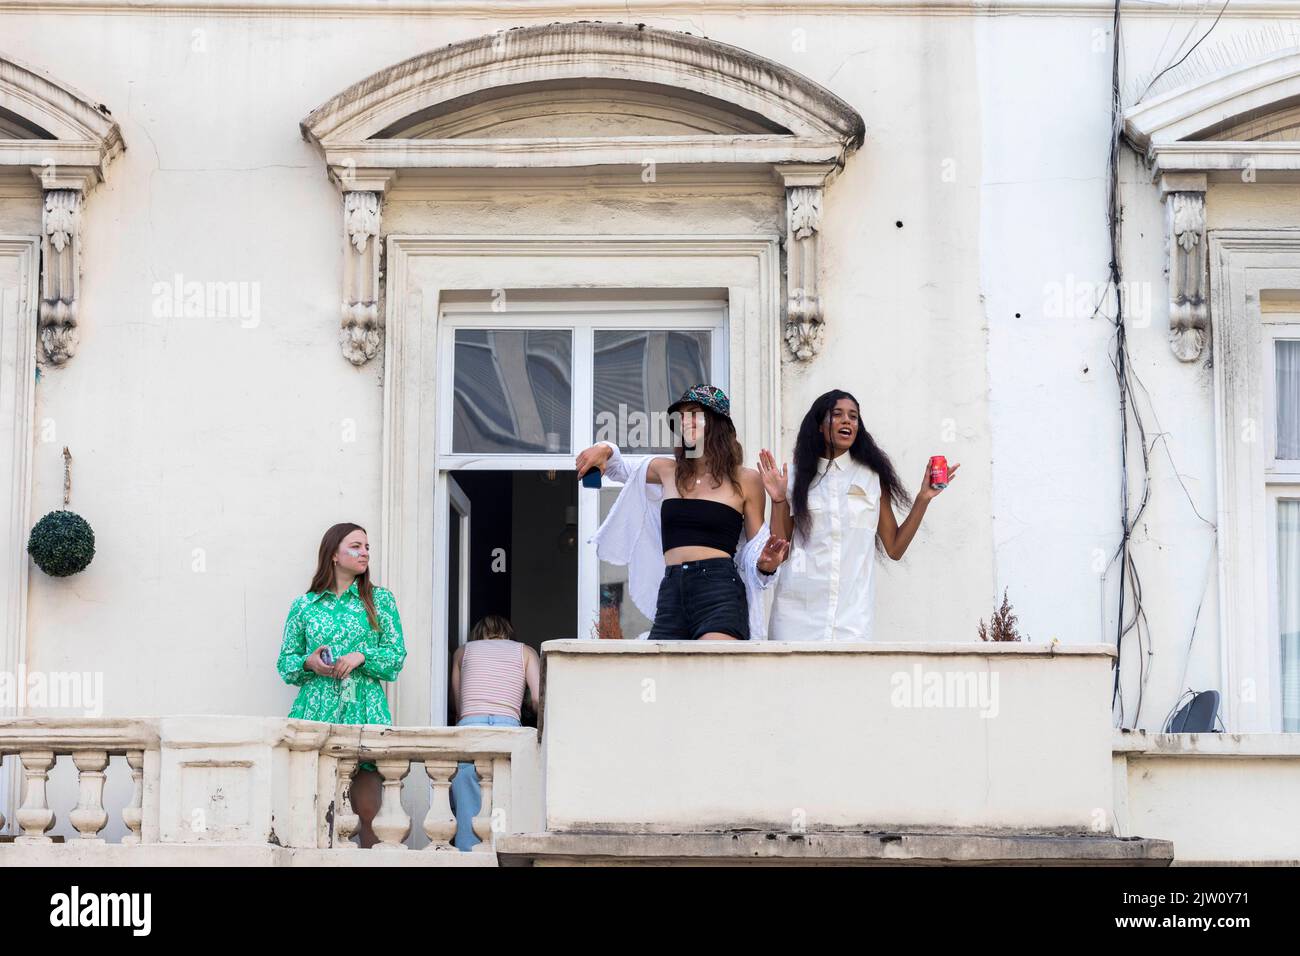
362,330
64,191
1187,263
804,187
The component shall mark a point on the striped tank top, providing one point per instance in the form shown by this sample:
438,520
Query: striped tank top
492,678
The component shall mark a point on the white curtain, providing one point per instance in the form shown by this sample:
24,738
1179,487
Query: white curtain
1288,608
1287,355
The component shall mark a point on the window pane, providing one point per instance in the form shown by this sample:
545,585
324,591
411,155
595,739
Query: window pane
637,375
619,617
513,391
1288,608
1287,354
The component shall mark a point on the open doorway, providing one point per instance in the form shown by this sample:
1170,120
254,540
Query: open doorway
527,381
513,551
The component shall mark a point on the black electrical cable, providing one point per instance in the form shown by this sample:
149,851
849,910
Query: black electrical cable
1119,358
1185,55
1130,582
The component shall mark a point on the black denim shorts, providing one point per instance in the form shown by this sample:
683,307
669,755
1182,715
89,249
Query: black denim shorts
697,597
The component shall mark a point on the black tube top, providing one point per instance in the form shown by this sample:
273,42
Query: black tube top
700,523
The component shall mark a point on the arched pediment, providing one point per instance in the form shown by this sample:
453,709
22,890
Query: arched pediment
571,95
47,125
1246,118
63,139
581,94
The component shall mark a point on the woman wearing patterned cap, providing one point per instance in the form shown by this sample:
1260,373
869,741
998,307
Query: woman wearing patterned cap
690,527
358,624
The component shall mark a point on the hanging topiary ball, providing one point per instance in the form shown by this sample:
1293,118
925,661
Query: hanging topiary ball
62,543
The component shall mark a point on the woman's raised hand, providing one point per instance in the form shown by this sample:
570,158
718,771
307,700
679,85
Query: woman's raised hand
593,457
928,491
774,480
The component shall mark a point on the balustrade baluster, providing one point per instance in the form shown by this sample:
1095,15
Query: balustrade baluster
392,824
440,822
133,813
346,821
483,819
90,817
35,815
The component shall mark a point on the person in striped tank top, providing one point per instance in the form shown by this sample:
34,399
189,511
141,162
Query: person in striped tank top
488,676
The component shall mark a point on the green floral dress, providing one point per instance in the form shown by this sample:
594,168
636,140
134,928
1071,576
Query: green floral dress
318,618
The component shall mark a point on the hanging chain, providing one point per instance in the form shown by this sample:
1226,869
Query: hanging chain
67,477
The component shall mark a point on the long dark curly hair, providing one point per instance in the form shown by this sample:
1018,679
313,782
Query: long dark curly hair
721,457
811,445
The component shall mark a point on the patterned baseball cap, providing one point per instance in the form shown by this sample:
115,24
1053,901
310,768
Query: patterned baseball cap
707,396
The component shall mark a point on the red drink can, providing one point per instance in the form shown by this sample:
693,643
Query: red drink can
938,472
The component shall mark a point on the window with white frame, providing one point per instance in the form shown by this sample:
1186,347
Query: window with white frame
527,380
1281,365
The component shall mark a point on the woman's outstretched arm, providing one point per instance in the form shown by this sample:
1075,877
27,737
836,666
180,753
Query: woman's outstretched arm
896,537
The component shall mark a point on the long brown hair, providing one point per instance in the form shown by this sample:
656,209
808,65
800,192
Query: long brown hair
324,577
721,458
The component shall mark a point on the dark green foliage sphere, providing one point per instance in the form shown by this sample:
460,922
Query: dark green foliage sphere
61,543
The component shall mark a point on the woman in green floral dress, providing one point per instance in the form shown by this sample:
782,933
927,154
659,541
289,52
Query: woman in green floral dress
359,624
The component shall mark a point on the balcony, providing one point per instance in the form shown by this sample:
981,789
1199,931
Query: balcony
262,791
682,753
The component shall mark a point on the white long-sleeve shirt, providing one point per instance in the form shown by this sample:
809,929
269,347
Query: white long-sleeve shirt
827,586
630,535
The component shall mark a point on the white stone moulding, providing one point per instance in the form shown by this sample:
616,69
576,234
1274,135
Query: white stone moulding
19,272
361,332
71,143
1244,263
753,112
1186,263
422,268
1207,131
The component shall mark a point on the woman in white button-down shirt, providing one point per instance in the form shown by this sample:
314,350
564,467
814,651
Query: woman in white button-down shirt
834,517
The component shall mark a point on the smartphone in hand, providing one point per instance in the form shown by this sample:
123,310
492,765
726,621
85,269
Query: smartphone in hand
592,478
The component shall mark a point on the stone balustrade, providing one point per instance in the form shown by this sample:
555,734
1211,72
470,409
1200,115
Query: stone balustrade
39,742
269,783
505,759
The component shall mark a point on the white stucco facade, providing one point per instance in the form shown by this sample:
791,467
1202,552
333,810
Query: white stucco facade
960,250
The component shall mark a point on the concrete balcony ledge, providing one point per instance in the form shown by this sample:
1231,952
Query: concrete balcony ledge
1221,798
680,737
883,847
1251,746
818,648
